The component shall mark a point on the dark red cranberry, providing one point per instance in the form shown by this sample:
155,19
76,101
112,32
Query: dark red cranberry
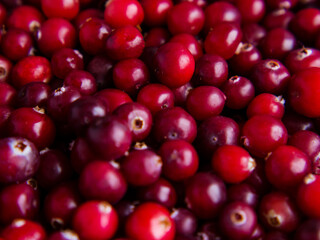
21,229
278,212
160,191
239,91
258,179
262,134
218,12
308,230
156,97
113,98
174,123
60,204
123,13
150,221
141,167
285,4
65,60
54,34
156,11
156,37
223,40
251,10
238,220
63,235
60,9
5,112
295,122
33,94
181,94
199,197
279,17
7,94
185,221
302,95
253,33
215,132
211,69
10,4
266,104
125,42
93,34
33,124
243,192
54,168
31,69
5,68
302,58
174,64
185,17
86,14
16,44
95,220
18,201
270,76
82,80
3,14
138,118
232,163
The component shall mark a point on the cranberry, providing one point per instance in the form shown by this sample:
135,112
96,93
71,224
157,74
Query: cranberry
82,80
185,221
239,91
63,235
5,112
3,14
278,18
278,212
33,94
156,37
5,69
181,94
308,230
262,134
253,33
113,98
243,192
31,69
174,64
223,40
18,201
251,10
295,122
95,220
205,195
123,13
155,11
87,15
7,94
156,97
150,221
60,9
286,4
276,235
208,231
54,34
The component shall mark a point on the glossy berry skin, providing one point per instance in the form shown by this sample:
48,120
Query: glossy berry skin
101,181
266,104
156,36
251,10
113,98
87,14
262,134
63,235
33,124
279,17
295,122
181,94
180,159
155,97
8,94
185,17
253,33
232,164
155,11
18,201
302,58
21,229
123,13
281,3
82,80
141,167
174,65
31,69
138,118
308,230
185,221
245,193
205,101
54,34
20,159
303,92
238,221
67,9
95,220
239,91
223,40
110,137
33,94
174,123
125,42
5,68
278,212
150,221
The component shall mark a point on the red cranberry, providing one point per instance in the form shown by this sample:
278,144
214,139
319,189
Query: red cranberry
239,91
181,94
33,94
270,76
150,221
54,34
205,195
3,14
18,201
238,221
31,69
5,112
278,18
302,95
258,179
253,33
174,64
276,235
63,235
278,212
174,123
95,220
295,122
156,97
5,68
286,4
60,9
82,80
266,104
113,98
308,230
7,94
87,15
125,42
156,37
123,13
93,34
185,221
223,40
243,192
155,11
262,134
208,231
251,10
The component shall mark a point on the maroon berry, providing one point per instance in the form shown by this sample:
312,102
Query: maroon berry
82,80
7,94
245,193
251,10
253,33
156,36
279,17
33,94
5,69
185,221
60,9
113,98
155,11
308,230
